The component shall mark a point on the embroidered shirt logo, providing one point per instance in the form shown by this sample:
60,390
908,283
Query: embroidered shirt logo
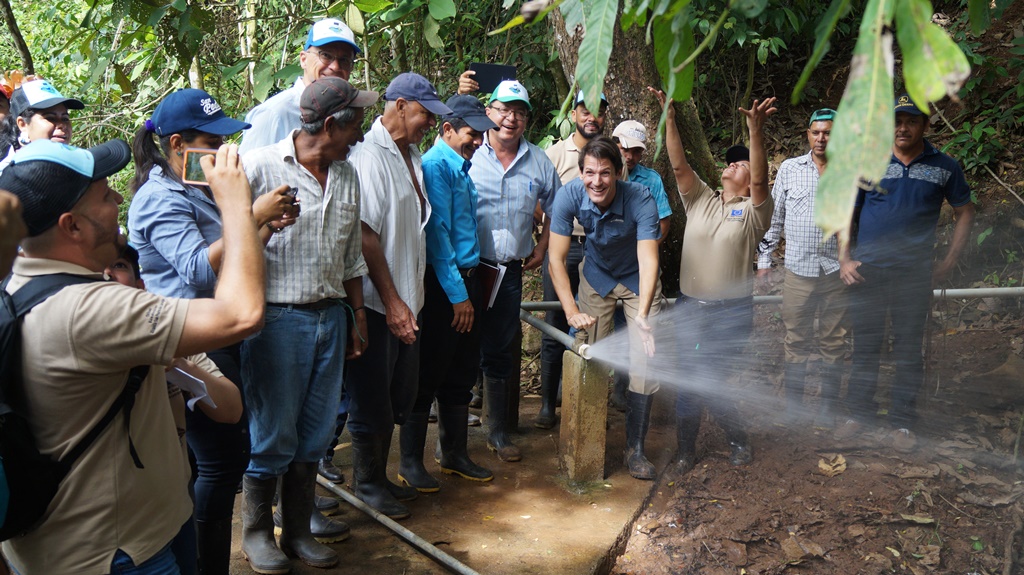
736,213
210,107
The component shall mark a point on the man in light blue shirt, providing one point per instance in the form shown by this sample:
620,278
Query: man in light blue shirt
450,352
631,137
511,177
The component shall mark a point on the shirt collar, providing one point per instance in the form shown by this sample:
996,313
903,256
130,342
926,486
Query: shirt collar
452,157
33,267
617,202
523,147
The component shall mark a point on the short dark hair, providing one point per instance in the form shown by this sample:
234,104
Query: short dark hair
342,117
602,148
456,123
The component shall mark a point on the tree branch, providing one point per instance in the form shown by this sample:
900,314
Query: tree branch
19,40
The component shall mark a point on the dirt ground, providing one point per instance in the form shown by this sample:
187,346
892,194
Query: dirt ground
809,505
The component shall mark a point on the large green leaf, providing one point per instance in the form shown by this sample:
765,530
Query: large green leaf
354,19
596,48
750,8
979,14
862,134
823,35
673,43
441,9
572,13
431,33
933,65
372,6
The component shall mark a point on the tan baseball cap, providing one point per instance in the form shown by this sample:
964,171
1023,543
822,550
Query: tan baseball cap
631,134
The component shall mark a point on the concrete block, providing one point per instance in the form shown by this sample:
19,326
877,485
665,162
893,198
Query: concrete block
584,413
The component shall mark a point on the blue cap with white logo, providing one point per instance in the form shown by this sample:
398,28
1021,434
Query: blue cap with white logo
50,178
192,109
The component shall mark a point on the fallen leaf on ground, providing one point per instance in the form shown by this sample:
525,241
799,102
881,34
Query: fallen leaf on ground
920,519
832,466
929,556
797,549
918,472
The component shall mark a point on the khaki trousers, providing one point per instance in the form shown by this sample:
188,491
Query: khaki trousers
802,298
603,310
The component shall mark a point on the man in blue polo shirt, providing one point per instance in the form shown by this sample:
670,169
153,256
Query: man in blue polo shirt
891,270
620,263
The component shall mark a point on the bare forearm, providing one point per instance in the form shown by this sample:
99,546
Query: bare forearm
354,291
758,168
647,255
961,233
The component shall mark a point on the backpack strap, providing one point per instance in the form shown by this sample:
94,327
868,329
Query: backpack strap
36,291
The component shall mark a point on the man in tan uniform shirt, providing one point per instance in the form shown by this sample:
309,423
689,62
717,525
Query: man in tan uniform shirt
79,345
716,277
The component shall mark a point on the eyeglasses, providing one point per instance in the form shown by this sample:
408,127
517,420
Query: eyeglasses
519,115
822,115
326,58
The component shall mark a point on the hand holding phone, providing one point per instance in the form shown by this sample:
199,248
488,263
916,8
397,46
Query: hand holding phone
192,171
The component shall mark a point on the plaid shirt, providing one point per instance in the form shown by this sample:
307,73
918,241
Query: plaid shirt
806,253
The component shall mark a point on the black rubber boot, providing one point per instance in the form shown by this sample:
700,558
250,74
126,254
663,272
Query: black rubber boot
369,475
620,385
793,383
400,492
549,380
831,380
323,529
297,489
258,545
686,436
326,505
411,439
498,439
638,419
329,471
452,433
214,546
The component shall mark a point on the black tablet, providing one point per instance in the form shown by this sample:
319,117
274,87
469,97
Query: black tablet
490,75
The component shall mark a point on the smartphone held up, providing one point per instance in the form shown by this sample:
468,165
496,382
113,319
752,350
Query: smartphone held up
192,171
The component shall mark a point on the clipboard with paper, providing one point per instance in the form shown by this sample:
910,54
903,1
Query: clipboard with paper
490,280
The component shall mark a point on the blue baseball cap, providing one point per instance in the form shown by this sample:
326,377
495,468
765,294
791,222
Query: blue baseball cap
415,88
50,178
906,105
192,109
471,111
328,31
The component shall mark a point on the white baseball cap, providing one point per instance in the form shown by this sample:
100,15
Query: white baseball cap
511,91
631,134
331,30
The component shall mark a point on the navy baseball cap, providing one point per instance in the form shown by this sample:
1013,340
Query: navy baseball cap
328,31
192,109
39,95
50,178
415,88
470,110
737,153
906,105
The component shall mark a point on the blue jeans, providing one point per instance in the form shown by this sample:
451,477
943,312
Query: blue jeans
163,563
500,330
905,295
292,374
381,385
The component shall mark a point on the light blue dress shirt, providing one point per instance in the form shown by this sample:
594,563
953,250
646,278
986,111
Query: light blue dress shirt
452,241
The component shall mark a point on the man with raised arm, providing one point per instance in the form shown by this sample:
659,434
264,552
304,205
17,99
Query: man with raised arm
716,276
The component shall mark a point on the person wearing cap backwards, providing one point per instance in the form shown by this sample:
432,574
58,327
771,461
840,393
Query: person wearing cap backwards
716,277
511,176
381,385
621,222
176,228
450,352
812,283
114,512
890,271
292,370
38,112
330,51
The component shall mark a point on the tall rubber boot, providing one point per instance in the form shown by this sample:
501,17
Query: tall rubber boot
620,385
400,492
498,440
793,378
214,544
411,439
368,475
831,380
297,488
324,529
549,379
453,429
638,419
687,428
258,545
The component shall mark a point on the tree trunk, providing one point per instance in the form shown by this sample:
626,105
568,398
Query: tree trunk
630,71
19,41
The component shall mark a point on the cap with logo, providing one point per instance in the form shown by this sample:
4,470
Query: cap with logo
330,30
50,178
906,105
631,134
192,109
580,99
822,115
510,91
329,95
470,110
415,88
737,153
39,95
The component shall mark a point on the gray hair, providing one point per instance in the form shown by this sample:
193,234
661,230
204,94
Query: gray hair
342,117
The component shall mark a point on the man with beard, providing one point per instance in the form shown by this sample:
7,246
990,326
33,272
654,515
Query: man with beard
812,283
382,383
330,51
565,155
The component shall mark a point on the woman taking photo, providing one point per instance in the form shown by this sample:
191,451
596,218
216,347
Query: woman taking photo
37,112
176,228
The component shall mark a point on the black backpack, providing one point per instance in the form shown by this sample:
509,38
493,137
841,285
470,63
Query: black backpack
28,479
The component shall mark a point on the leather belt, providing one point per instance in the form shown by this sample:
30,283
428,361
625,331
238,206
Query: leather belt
312,306
467,273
